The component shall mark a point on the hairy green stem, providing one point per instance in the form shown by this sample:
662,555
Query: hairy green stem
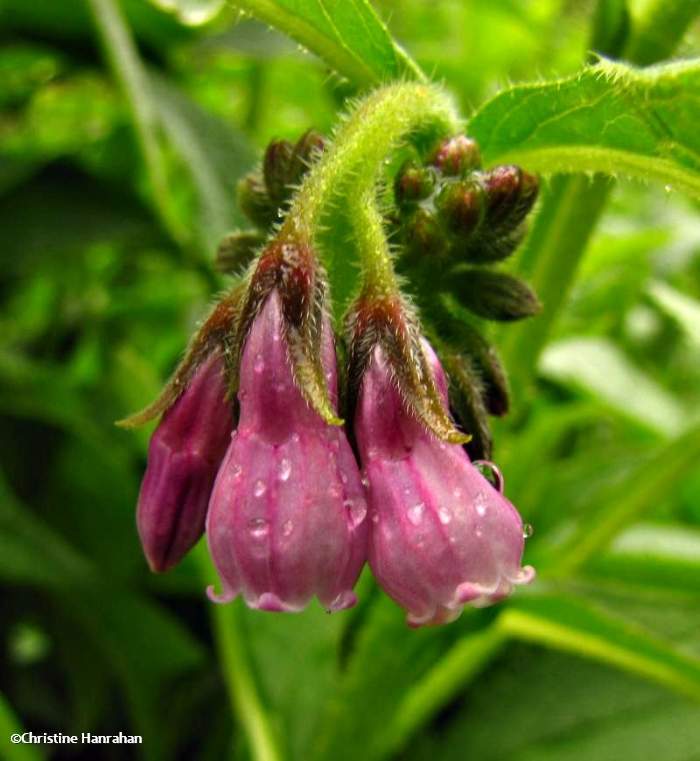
374,129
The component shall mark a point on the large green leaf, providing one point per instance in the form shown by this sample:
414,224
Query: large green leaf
574,625
540,705
611,118
347,34
599,367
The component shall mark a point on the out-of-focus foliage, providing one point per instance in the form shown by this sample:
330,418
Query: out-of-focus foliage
121,141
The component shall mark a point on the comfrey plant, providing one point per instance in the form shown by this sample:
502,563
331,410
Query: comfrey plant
297,489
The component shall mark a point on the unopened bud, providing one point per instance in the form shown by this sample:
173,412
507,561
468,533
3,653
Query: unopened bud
510,193
237,250
457,156
276,164
423,235
495,296
413,183
467,402
309,146
461,206
255,201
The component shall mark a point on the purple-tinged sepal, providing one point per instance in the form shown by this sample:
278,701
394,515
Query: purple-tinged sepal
387,320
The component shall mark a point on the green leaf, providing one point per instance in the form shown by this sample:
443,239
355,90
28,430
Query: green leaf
577,626
9,725
683,309
611,118
625,501
214,155
541,705
387,660
347,34
599,367
652,556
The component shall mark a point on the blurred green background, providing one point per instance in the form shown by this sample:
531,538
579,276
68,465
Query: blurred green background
104,273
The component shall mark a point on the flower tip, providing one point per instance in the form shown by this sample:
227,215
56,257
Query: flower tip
227,595
343,601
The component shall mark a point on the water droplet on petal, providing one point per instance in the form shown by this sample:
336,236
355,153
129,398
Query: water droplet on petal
258,528
457,492
295,438
259,488
375,516
528,530
236,471
285,469
445,515
365,482
259,365
357,511
415,513
344,477
491,471
287,528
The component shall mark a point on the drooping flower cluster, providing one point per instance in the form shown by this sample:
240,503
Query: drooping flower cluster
251,448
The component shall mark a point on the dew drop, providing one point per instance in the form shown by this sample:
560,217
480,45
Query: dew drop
415,513
357,510
295,438
375,517
480,504
236,471
528,530
365,482
344,477
276,337
287,528
259,365
490,471
445,515
285,469
259,488
258,528
457,492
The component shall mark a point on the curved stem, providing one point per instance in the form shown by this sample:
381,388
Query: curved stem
237,671
368,135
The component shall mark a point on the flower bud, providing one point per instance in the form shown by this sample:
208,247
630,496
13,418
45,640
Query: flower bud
237,249
255,202
423,236
494,295
461,206
276,170
307,148
510,194
441,535
287,516
183,457
413,183
456,156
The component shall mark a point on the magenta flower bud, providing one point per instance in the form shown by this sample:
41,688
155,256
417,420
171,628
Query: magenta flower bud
183,457
287,516
441,535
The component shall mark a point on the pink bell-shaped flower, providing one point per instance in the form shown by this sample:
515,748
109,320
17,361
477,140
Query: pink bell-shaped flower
183,457
287,516
441,535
